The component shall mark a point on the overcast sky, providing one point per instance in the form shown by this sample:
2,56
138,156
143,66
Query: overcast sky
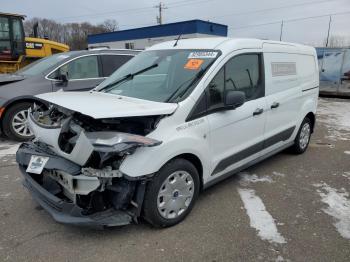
237,14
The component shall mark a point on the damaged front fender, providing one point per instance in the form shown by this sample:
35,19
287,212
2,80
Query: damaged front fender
67,138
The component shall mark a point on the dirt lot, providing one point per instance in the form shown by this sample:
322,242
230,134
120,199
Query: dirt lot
287,208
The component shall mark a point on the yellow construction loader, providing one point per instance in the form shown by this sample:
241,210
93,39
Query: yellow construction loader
16,50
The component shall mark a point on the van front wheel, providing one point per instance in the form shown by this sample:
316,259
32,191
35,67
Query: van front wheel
171,194
302,139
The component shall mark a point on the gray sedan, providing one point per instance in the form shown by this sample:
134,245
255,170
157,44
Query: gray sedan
70,71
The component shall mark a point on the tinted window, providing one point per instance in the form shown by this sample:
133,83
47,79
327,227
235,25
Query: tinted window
241,73
5,46
110,63
17,35
4,28
81,68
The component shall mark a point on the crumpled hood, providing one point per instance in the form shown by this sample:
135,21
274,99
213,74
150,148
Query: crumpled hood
101,105
9,78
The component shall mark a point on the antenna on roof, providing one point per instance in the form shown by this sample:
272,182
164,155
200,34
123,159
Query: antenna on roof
177,40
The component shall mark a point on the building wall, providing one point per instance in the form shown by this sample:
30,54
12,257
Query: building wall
144,43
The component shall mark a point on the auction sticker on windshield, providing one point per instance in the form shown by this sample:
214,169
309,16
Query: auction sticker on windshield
203,54
37,164
193,64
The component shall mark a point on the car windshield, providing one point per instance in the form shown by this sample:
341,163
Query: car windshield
160,75
40,66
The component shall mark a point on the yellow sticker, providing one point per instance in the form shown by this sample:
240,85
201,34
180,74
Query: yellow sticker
193,64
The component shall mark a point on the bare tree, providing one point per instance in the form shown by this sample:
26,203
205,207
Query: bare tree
72,34
110,25
337,41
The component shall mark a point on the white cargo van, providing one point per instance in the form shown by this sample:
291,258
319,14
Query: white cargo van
174,120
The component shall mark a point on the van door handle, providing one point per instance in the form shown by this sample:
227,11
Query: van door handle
275,105
258,111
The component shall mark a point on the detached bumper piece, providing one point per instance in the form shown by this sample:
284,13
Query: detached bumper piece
51,195
69,213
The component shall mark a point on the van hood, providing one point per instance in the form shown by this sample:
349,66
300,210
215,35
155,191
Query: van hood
101,105
10,78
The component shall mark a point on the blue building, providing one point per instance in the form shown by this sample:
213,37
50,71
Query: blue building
140,38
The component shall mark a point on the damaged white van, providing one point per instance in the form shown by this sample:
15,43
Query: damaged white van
172,121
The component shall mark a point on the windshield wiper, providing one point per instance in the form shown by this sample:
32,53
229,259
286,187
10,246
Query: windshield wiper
127,77
194,79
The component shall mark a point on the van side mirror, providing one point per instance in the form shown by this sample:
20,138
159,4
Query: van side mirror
234,99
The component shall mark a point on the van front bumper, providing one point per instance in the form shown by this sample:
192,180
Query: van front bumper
69,213
61,209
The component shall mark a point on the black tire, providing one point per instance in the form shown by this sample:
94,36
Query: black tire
299,147
8,118
150,208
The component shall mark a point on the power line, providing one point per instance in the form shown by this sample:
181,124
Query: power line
130,10
289,20
267,9
272,9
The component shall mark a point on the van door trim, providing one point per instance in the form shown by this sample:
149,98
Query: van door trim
310,88
256,148
245,166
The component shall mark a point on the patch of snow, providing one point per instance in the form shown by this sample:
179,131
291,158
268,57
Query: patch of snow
338,207
335,115
260,219
346,175
278,174
281,259
5,195
7,149
247,178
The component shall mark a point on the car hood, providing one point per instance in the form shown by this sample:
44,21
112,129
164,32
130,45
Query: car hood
9,78
101,105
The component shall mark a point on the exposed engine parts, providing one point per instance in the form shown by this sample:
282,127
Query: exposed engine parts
94,149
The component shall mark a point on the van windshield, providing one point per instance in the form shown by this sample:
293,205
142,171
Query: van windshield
160,75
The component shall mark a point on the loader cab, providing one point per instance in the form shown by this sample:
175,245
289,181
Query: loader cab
12,44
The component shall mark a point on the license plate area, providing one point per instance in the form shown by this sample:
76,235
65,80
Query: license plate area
36,164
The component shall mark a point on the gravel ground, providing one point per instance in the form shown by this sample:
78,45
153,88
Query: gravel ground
287,208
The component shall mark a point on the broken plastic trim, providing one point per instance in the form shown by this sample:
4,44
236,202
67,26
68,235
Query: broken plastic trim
50,125
106,172
109,141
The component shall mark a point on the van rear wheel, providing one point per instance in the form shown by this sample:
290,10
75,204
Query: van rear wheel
302,139
170,196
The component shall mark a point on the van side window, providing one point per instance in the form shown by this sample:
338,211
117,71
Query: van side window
241,73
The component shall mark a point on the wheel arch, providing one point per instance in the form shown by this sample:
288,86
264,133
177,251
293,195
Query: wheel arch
312,118
196,162
21,99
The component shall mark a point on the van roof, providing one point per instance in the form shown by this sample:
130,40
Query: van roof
227,44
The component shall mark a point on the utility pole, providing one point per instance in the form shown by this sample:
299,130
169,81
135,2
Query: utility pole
160,8
281,31
329,29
